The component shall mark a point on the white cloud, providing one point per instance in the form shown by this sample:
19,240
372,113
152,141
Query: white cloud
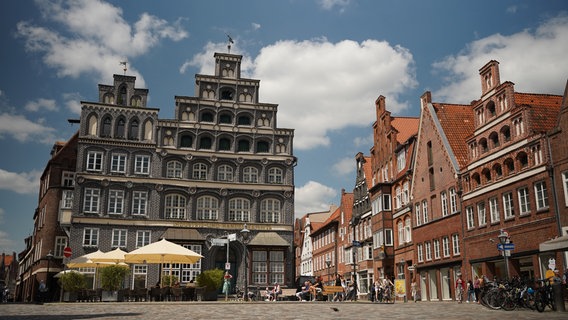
534,60
8,245
255,26
72,102
313,197
47,104
98,37
364,142
22,183
330,4
24,130
344,166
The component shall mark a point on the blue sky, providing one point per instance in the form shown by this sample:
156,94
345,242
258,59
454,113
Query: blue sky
324,62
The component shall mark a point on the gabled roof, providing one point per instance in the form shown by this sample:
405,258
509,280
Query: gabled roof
406,127
458,123
367,168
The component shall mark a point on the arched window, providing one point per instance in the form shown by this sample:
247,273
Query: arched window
262,146
174,169
206,116
270,211
122,100
487,174
199,171
491,109
92,125
494,137
483,145
250,175
108,98
207,208
133,130
239,209
400,228
186,141
148,130
225,173
476,180
498,171
407,233
510,165
175,206
275,176
120,126
244,120
506,133
523,159
224,144
243,145
227,94
136,101
205,143
225,118
107,122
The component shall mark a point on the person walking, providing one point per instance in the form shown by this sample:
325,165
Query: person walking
414,289
227,284
470,292
460,288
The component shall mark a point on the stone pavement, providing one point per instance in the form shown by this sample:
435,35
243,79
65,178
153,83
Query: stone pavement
264,310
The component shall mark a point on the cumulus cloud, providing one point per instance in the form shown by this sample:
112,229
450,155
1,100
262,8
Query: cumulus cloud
255,26
24,130
22,183
344,166
535,60
98,37
72,102
330,4
313,197
47,104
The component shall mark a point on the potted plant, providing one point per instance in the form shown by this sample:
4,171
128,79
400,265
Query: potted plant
210,281
169,280
72,282
112,278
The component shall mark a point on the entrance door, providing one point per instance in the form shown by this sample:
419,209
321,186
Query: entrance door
433,285
446,284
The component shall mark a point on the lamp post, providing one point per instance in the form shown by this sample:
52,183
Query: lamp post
245,234
504,239
47,278
328,264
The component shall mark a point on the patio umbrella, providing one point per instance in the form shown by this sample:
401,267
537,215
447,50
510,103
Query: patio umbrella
85,261
60,273
115,256
162,251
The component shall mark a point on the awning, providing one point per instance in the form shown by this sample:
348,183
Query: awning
182,234
268,239
560,244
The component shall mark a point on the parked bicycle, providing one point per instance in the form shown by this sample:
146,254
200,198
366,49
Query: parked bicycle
544,296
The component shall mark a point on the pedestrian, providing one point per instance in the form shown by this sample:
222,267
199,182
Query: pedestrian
227,284
414,289
42,289
477,288
470,292
460,288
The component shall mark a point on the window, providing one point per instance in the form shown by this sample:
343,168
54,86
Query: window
436,249
523,159
270,211
139,274
244,120
508,207
186,141
401,160
400,233
133,130
143,238
456,244
428,249
90,237
494,210
225,118
250,175
94,161
118,163
120,124
105,132
470,217
60,244
142,164
398,198
224,144
239,209
91,200
420,253
275,176
243,145
565,186
386,202
207,208
175,206
262,146
119,238
139,202
453,201
115,201
425,211
444,200
405,193
481,214
67,199
541,195
174,169
430,154
407,227
267,267
68,179
205,143
199,171
524,205
519,126
206,116
191,271
225,173
537,154
388,237
418,214
446,246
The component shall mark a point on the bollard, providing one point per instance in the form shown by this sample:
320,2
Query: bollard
558,296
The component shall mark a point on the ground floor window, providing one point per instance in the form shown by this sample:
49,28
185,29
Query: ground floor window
139,278
267,267
184,272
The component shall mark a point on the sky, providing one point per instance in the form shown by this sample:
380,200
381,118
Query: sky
324,62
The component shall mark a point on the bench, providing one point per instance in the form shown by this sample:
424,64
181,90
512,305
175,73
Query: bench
331,290
287,293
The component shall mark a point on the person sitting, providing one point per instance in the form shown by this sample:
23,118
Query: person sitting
303,294
272,295
316,288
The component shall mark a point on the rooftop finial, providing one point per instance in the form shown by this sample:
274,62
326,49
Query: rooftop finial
229,42
123,63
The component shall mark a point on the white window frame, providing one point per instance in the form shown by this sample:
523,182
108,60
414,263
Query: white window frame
565,187
446,246
494,210
481,214
418,214
207,208
275,176
407,228
174,169
456,244
436,249
420,253
444,203
453,201
119,238
524,201
91,200
94,161
428,249
541,195
250,175
389,241
270,210
139,203
67,199
425,217
118,163
142,164
175,206
68,179
143,238
199,171
470,217
225,173
115,201
91,237
508,206
239,209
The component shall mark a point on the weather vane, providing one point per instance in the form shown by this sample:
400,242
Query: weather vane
123,63
229,42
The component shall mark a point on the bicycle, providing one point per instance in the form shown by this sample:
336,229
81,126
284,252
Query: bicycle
544,296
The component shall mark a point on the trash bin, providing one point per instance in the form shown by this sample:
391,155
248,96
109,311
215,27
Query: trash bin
558,296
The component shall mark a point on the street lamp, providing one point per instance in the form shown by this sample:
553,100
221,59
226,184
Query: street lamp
328,264
47,278
245,234
504,239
